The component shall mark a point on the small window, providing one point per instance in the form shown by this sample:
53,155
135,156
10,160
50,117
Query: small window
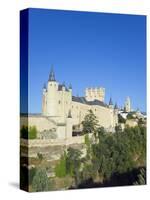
59,102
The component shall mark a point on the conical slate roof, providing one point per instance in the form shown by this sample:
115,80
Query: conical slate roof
116,106
52,75
110,102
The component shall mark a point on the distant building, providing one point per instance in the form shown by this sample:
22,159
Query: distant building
127,106
131,122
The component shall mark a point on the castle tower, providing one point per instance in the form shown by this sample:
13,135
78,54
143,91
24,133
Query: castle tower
52,88
44,100
115,114
69,125
92,94
110,103
128,105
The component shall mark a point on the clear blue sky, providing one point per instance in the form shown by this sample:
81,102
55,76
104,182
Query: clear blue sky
88,49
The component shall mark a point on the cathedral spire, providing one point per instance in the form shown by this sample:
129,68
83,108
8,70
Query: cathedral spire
52,75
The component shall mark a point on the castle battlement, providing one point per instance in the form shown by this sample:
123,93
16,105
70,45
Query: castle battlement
92,94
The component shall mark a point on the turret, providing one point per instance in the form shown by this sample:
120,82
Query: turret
52,75
116,106
115,114
110,103
44,88
70,87
44,99
63,86
52,89
69,125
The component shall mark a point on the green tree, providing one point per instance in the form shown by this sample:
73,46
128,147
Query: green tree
60,169
40,181
130,116
90,123
32,134
28,132
73,164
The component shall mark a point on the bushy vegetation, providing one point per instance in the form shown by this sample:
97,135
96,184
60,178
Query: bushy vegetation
29,132
40,156
90,123
73,164
69,165
130,116
60,169
119,153
40,181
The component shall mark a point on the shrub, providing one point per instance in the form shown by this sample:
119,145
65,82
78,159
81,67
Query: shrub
60,169
130,116
32,173
89,123
32,134
40,156
40,181
28,133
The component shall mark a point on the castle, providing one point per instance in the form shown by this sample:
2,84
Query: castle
59,104
63,113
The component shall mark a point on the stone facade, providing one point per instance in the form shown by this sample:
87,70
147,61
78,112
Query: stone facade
61,111
58,102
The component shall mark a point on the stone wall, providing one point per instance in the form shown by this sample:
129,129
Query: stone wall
50,149
51,142
106,116
41,122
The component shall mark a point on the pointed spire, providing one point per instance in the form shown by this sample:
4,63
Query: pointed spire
44,86
110,102
52,75
69,114
70,86
116,106
63,84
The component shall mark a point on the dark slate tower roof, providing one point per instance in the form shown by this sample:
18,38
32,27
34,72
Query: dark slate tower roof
110,102
70,86
52,75
116,106
44,86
